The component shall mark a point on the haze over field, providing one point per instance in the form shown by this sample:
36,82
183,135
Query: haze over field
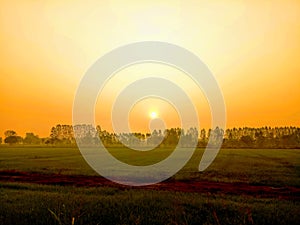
251,47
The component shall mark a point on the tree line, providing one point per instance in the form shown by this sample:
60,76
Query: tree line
246,137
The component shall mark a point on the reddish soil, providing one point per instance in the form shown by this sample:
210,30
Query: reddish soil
169,185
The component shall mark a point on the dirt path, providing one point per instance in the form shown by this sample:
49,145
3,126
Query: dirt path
169,185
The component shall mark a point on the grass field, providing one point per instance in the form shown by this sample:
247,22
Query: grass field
275,167
27,203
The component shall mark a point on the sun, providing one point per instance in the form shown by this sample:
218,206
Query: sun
153,115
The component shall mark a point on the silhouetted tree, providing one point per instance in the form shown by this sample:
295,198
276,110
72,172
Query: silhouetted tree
31,138
61,134
155,138
243,137
9,133
264,137
11,137
203,135
247,140
11,140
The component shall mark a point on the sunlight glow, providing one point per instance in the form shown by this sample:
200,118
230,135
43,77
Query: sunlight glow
153,115
246,45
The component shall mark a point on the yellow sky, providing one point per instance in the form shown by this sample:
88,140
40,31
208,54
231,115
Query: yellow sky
252,48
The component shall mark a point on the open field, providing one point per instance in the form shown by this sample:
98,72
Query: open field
242,186
276,167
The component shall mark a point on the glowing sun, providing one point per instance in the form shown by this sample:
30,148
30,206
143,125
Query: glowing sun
153,115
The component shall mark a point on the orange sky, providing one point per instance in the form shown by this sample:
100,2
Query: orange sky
252,48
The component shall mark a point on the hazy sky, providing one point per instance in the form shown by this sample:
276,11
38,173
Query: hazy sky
252,48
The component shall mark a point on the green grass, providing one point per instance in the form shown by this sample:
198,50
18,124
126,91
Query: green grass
44,160
277,167
46,204
36,204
